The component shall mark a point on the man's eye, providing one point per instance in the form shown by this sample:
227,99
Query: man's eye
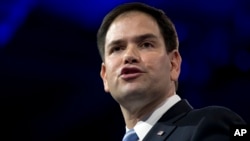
147,45
115,49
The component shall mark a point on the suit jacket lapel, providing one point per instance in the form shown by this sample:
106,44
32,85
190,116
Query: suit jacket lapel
165,127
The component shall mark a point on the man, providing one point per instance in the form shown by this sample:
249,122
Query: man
141,65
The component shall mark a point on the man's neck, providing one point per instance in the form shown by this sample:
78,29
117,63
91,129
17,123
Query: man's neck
131,117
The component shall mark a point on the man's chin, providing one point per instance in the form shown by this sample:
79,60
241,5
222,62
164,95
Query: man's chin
133,93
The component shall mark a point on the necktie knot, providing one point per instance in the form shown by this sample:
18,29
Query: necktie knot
130,136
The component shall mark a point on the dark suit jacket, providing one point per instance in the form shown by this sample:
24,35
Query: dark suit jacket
183,123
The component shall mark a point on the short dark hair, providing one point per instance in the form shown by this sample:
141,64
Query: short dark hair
165,24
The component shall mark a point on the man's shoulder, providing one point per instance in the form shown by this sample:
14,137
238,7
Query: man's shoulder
213,110
208,123
183,114
215,114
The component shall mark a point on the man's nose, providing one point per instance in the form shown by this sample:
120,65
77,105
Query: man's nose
131,55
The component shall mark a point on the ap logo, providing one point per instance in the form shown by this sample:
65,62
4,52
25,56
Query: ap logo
240,132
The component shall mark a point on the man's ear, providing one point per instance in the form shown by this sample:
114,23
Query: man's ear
104,77
175,60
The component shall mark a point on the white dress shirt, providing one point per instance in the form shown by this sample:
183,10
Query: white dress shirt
142,127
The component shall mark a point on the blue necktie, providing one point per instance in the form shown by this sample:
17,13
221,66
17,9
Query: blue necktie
130,136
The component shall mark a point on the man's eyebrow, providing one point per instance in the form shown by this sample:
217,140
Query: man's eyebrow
135,39
144,36
115,42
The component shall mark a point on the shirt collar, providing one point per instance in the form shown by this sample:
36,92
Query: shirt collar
142,127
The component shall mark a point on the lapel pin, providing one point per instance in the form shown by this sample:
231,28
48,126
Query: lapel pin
160,133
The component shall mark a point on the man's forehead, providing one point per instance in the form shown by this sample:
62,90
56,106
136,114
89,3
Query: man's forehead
131,25
130,13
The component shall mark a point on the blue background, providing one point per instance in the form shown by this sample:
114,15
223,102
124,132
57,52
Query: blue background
50,87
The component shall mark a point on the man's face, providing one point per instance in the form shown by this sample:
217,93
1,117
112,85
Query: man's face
136,64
